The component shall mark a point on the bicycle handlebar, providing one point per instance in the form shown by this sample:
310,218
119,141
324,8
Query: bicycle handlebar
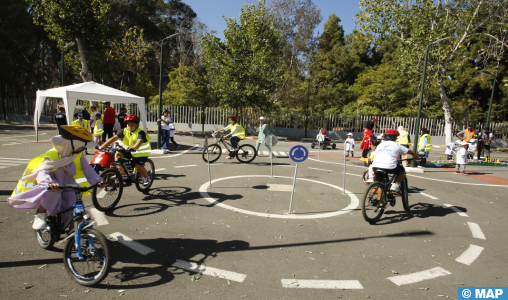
76,188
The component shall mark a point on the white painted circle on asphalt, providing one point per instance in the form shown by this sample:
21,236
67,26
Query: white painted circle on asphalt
354,200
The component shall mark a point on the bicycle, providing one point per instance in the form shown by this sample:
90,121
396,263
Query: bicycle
245,154
107,198
373,207
86,253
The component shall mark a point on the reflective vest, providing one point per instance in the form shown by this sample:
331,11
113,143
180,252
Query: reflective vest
428,147
84,123
130,139
25,185
240,133
468,135
98,131
403,139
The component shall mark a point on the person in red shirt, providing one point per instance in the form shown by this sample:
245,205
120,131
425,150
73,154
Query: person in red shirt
366,144
108,121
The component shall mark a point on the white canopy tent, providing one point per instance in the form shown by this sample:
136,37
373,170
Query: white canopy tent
91,91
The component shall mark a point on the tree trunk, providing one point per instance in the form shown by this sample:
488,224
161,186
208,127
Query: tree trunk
447,112
85,74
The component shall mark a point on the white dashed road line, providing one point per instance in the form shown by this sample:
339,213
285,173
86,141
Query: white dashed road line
127,241
99,217
320,169
418,276
426,195
202,269
458,211
470,255
186,166
162,169
166,156
322,284
476,231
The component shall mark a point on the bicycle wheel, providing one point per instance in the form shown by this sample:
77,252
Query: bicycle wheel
94,266
44,238
246,153
150,171
214,152
365,176
404,189
372,206
105,199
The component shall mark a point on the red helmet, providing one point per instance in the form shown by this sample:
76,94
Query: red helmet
232,117
131,118
323,132
391,132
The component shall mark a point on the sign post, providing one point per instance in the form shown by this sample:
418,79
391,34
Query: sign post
320,138
190,127
205,146
298,154
271,141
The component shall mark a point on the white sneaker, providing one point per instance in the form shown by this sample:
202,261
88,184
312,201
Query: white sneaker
146,181
370,180
234,149
395,188
39,222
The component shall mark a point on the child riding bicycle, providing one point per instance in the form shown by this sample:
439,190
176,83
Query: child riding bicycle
62,165
237,133
133,138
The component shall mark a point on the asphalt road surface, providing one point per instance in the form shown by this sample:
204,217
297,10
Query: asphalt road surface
236,240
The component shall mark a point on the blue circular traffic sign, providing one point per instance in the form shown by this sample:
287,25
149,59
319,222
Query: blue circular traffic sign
298,153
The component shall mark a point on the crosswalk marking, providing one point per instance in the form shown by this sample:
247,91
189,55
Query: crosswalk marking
283,153
127,241
202,269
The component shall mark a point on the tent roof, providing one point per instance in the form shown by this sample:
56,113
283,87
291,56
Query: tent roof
90,91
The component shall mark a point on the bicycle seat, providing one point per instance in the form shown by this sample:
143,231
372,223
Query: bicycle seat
381,174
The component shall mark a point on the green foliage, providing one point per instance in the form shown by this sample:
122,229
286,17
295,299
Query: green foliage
247,67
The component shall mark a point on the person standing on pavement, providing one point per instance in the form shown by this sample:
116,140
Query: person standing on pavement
262,133
60,118
467,134
92,118
461,158
472,148
121,117
403,139
485,139
109,121
165,120
350,145
98,129
80,121
451,149
424,146
367,139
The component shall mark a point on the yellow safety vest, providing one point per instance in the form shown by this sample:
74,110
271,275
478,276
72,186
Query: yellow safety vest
241,133
130,139
84,123
25,185
403,139
98,131
428,147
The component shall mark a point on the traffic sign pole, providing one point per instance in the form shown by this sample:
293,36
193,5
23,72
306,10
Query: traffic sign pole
293,191
297,154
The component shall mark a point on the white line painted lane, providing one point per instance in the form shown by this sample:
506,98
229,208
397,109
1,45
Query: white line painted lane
458,211
186,166
320,169
166,156
162,169
283,153
322,284
202,269
127,241
426,195
99,217
15,159
418,276
470,255
476,231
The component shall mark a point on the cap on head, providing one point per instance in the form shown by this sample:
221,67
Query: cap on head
98,115
323,132
261,118
350,134
472,140
80,115
232,117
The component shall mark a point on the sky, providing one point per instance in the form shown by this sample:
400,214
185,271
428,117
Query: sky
210,12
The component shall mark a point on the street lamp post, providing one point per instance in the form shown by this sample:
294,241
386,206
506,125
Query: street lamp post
160,94
410,104
417,128
307,109
491,97
65,47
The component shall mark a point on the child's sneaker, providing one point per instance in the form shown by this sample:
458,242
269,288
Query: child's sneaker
464,173
146,181
395,188
456,172
370,180
39,222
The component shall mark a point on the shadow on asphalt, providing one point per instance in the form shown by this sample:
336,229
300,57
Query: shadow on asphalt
418,210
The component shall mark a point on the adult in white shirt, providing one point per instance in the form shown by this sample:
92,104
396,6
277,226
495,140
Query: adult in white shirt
386,156
166,127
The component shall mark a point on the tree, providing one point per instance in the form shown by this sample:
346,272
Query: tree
85,21
247,67
419,23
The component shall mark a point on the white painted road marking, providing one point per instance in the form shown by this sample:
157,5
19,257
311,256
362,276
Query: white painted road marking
476,231
11,159
320,169
102,193
283,153
470,255
99,217
166,156
185,166
127,241
418,276
426,195
160,170
202,269
322,284
458,211
279,187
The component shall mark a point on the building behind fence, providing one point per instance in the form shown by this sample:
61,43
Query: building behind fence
276,119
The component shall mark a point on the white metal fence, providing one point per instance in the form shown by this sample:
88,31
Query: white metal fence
276,119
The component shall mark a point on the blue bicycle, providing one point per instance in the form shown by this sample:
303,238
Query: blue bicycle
86,251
